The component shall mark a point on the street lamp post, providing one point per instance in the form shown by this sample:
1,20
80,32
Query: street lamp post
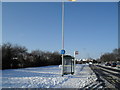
62,37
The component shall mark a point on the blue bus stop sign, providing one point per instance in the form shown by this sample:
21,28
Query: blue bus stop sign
62,51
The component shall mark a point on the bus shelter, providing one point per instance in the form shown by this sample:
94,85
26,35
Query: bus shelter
68,65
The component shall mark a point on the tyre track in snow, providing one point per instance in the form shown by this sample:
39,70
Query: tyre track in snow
99,83
109,79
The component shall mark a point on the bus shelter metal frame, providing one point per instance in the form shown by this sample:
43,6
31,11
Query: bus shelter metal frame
68,65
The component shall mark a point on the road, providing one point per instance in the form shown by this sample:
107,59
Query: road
108,77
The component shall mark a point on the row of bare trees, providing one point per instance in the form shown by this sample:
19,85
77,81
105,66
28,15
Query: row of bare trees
16,56
114,56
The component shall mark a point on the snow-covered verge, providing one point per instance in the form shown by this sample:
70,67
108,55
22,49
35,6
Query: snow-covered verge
47,77
109,66
83,76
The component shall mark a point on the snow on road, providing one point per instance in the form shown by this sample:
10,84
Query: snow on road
47,77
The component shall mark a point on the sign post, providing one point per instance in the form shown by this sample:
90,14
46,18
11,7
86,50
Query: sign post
62,52
75,53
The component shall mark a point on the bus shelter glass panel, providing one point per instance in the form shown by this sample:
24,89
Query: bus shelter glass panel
68,65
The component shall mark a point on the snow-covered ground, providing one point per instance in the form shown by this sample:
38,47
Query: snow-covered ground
47,77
